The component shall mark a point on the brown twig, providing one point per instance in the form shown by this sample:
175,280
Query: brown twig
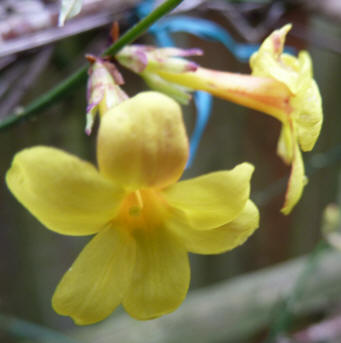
115,31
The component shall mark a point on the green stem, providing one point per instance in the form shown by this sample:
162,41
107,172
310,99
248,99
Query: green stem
80,75
283,319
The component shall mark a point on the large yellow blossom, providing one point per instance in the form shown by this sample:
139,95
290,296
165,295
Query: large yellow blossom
144,220
282,86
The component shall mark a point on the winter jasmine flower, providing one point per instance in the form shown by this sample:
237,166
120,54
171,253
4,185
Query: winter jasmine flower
144,219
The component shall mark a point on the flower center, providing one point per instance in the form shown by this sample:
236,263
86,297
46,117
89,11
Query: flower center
143,209
135,203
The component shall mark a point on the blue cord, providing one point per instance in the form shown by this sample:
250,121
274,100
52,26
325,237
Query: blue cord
203,103
207,30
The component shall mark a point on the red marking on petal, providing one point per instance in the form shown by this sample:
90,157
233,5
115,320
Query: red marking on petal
191,66
277,44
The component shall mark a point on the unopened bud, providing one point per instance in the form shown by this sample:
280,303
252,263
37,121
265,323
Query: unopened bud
148,61
139,58
103,91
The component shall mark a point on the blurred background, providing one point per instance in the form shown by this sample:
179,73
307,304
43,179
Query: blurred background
35,55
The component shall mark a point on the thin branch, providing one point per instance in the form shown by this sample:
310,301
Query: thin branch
80,75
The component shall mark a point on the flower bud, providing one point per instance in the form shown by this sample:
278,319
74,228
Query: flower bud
148,61
103,91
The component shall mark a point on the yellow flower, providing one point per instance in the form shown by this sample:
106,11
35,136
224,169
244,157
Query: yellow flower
302,124
282,86
144,220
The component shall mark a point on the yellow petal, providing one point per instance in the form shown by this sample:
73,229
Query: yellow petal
308,107
64,193
297,181
309,122
161,276
211,200
269,61
221,239
142,142
96,282
285,144
295,73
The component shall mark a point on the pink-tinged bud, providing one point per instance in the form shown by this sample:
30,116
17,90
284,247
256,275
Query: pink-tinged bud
149,61
103,91
139,58
134,57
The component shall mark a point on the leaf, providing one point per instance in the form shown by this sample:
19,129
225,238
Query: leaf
69,9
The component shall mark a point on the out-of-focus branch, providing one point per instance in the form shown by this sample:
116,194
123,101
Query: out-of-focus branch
27,30
34,25
35,16
229,311
328,330
51,35
329,8
31,28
